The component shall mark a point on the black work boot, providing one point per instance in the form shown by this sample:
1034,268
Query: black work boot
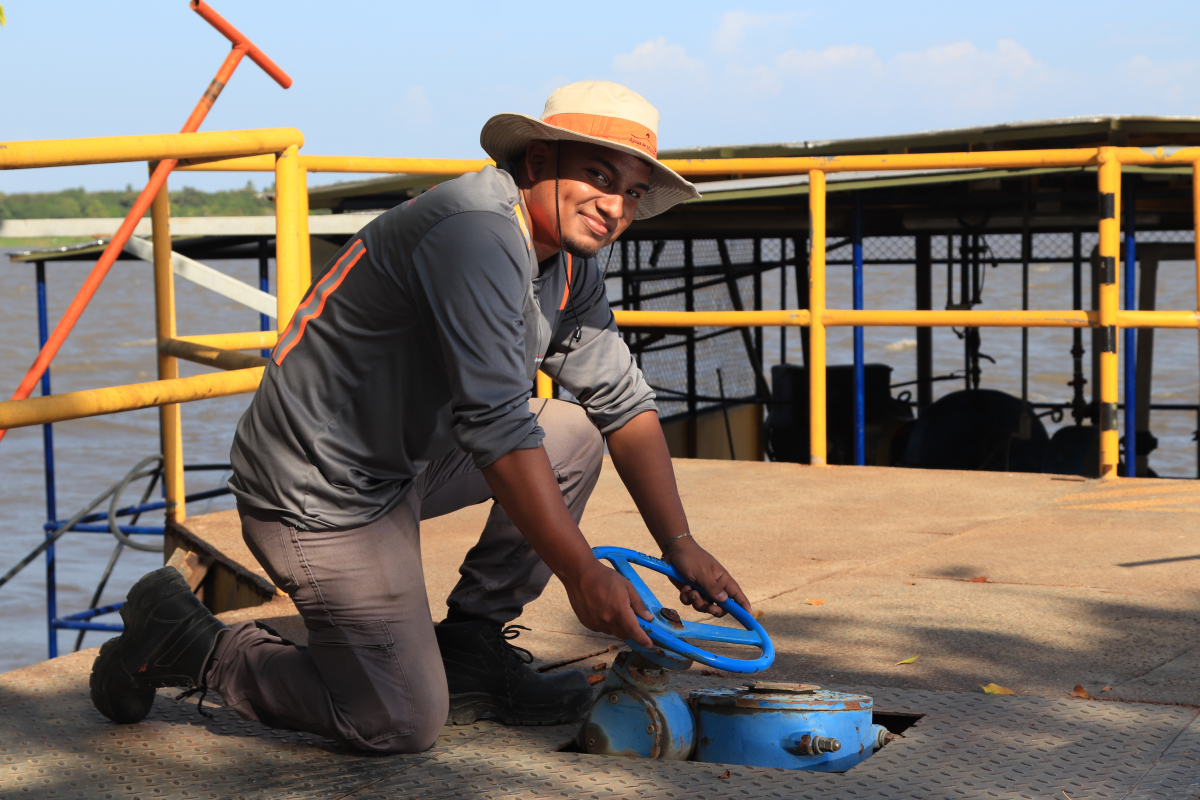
169,639
487,675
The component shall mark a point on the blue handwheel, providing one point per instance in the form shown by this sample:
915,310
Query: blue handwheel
669,632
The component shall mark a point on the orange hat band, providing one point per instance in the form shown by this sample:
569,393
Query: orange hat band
614,129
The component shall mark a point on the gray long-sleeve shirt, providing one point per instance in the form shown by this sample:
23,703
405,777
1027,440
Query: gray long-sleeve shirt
424,333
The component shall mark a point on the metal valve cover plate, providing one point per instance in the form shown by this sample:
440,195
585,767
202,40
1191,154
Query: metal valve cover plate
796,697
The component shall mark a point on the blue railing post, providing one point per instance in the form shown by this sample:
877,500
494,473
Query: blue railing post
860,411
1130,343
264,283
48,458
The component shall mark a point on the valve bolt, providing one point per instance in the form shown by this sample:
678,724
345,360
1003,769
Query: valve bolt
824,744
613,699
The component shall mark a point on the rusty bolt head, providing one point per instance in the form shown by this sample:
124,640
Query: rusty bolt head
671,616
650,728
613,699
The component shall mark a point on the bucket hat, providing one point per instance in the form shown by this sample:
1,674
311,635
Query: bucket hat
602,113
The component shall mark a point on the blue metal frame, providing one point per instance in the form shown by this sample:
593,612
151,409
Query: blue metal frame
92,523
1130,344
860,401
264,283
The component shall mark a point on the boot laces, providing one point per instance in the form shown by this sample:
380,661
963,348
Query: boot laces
519,655
203,690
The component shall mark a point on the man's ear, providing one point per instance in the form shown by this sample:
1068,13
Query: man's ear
537,157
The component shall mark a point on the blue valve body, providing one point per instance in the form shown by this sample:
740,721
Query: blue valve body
768,730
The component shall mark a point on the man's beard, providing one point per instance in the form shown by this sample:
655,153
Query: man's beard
579,249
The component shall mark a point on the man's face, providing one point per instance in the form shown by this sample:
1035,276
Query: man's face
598,193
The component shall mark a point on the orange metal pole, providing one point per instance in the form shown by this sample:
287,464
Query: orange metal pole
158,179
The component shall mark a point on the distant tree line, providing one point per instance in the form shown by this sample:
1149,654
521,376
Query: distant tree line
187,202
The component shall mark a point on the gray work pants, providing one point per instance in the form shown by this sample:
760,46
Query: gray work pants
372,675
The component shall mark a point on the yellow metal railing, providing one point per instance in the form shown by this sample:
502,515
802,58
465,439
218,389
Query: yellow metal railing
275,148
277,151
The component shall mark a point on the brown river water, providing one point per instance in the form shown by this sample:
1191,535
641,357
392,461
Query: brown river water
112,345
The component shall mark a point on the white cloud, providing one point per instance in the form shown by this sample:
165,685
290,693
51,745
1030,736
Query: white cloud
734,24
842,56
659,56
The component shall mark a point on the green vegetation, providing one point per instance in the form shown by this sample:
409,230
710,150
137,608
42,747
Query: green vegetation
187,202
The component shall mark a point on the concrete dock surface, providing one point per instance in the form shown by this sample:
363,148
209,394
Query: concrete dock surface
1036,583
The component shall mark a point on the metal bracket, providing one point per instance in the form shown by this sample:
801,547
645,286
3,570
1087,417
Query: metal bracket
1108,416
1108,205
1108,269
1108,339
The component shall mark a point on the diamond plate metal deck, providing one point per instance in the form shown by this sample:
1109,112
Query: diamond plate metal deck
54,744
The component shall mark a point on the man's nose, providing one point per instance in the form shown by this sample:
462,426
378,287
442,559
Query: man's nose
612,205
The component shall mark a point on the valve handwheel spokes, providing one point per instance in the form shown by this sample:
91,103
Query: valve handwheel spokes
669,632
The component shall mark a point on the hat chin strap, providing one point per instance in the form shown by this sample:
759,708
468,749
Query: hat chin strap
562,245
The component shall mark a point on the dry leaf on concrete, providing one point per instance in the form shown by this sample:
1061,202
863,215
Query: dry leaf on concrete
600,666
712,673
908,660
1106,689
993,688
820,602
1080,692
979,579
757,613
724,775
594,679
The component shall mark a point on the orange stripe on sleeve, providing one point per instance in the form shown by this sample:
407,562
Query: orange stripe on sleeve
567,288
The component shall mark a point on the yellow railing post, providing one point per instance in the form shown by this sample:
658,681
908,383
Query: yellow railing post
1196,229
288,176
816,326
305,242
169,416
1110,249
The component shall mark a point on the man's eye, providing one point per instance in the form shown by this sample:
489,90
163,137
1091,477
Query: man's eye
599,176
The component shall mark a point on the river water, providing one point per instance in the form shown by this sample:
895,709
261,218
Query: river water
113,344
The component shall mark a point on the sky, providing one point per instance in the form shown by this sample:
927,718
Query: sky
387,78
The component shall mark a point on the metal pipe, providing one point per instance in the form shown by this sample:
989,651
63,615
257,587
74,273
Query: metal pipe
1196,228
1130,335
1110,253
305,273
924,281
860,400
264,284
239,39
145,147
816,305
839,317
1078,403
157,180
209,356
545,385
93,402
1007,159
287,236
707,319
170,421
436,167
451,167
48,461
253,340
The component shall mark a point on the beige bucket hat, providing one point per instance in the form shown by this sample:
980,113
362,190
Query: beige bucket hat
600,112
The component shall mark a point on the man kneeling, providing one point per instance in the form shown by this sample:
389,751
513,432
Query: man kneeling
400,391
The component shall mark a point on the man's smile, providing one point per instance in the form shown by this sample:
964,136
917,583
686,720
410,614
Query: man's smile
598,227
